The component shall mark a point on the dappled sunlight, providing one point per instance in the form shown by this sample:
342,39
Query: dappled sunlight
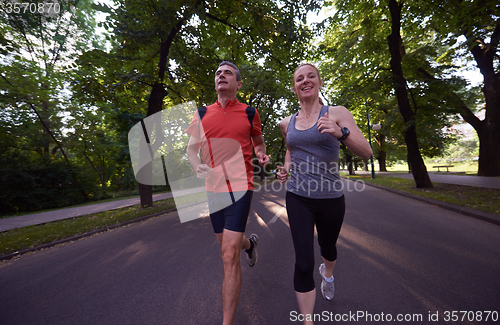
262,223
271,206
131,253
279,212
394,261
377,248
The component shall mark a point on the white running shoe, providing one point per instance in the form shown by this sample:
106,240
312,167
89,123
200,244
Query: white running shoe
327,287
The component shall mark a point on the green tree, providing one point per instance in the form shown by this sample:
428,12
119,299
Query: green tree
474,28
169,48
360,66
37,49
93,140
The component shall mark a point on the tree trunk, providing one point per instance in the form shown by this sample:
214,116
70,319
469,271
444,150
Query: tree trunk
366,163
155,105
488,129
158,93
396,49
146,195
381,158
45,118
102,176
262,174
489,155
350,165
382,155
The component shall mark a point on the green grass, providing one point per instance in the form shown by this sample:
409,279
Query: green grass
462,168
478,198
28,237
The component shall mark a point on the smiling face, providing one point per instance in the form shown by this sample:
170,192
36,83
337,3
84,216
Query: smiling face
225,80
306,82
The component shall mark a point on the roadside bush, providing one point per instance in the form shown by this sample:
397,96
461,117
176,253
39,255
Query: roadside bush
30,188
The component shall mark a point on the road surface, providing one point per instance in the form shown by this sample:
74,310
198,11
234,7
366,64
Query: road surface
398,258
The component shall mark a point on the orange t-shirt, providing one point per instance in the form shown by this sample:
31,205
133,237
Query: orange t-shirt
226,144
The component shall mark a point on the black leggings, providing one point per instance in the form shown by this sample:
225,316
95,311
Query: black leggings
303,213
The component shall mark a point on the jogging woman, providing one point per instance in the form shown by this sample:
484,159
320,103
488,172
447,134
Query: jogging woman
315,192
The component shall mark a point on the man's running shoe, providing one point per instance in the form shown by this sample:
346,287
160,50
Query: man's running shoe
252,255
327,287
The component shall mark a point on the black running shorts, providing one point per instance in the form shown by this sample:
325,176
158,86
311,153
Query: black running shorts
235,215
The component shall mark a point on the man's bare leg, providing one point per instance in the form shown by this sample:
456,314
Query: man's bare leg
245,242
231,244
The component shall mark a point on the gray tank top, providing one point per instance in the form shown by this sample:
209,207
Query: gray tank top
315,157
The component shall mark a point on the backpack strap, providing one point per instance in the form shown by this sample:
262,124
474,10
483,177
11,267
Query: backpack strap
201,112
249,110
250,114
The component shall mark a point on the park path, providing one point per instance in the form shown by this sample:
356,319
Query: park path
453,178
48,216
44,217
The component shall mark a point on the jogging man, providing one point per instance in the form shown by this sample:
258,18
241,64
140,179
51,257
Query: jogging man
226,131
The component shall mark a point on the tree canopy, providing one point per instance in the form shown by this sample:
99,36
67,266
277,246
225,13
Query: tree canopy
405,55
72,84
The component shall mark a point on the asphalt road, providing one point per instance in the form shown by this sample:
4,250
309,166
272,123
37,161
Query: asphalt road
397,258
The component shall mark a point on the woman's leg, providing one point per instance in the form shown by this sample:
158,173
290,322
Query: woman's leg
301,220
329,221
306,301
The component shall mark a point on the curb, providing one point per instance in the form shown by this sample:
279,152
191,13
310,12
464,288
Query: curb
87,234
484,216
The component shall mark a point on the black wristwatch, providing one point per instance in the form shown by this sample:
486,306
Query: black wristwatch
345,133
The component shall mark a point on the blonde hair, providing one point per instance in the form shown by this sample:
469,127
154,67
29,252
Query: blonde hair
317,71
